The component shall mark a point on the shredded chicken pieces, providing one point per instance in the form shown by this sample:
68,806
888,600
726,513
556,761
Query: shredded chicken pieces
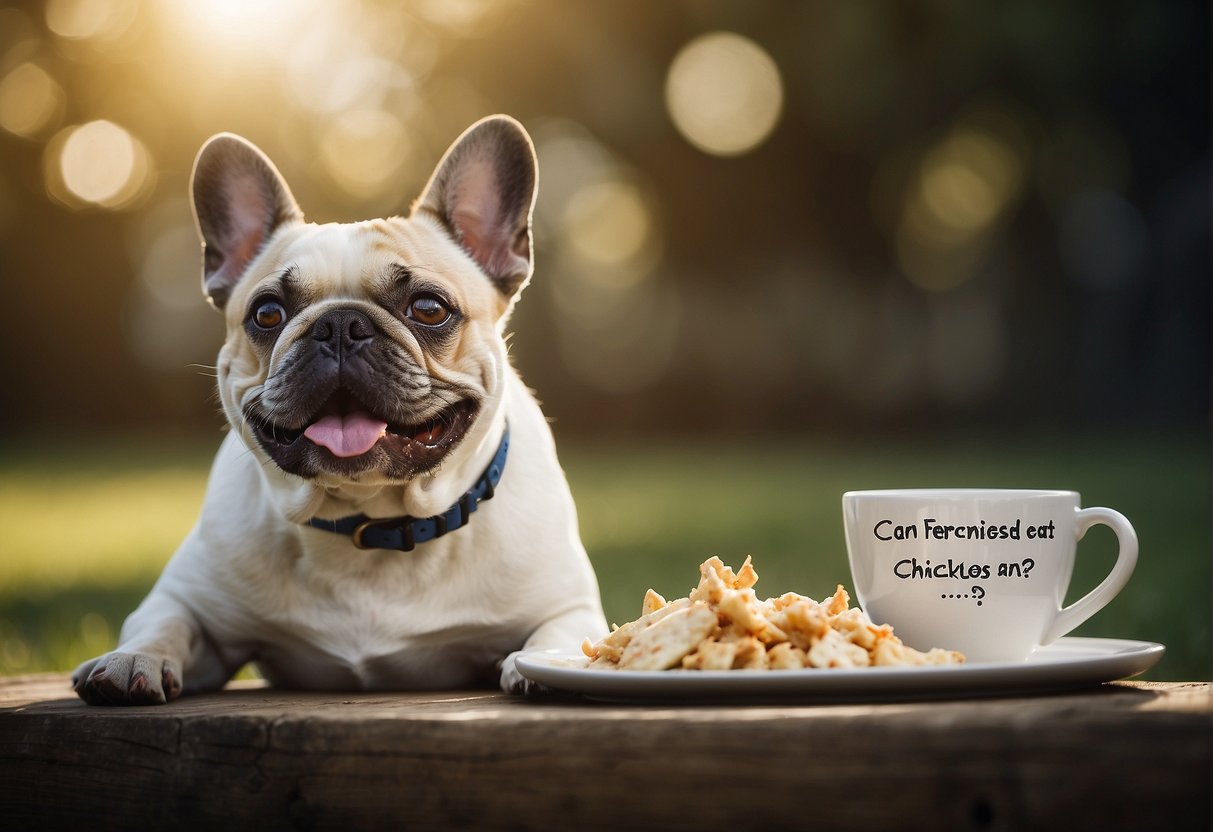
721,625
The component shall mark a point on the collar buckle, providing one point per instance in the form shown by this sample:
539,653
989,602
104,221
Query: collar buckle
403,526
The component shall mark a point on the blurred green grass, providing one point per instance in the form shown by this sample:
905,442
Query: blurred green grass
85,529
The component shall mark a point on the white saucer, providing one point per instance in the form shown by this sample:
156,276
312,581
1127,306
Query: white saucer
1066,664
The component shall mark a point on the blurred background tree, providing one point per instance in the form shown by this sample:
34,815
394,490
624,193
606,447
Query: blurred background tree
829,216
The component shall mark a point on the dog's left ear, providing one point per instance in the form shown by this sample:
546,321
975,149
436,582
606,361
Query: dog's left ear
483,192
240,199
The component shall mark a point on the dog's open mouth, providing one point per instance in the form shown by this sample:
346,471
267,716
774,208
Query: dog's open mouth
347,429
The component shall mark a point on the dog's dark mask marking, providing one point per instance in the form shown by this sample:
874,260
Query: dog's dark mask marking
346,367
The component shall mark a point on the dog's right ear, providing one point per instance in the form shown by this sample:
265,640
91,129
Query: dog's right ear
483,192
240,199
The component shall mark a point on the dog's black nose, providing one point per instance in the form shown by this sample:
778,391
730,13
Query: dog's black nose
343,331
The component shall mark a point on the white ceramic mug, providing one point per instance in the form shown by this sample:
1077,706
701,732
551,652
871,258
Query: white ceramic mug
982,571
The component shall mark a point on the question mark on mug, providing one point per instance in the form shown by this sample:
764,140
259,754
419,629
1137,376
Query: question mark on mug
978,592
1028,563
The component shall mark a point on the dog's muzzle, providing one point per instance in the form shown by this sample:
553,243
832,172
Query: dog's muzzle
358,404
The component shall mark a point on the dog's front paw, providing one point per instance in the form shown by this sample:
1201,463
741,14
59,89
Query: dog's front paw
128,679
512,681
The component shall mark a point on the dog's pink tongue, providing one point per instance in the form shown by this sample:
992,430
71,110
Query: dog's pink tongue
350,435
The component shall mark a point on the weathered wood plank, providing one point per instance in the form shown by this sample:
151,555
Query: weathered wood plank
1116,757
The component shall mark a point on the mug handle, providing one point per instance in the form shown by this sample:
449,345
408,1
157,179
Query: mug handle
1095,600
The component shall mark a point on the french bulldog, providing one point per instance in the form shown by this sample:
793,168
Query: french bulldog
387,511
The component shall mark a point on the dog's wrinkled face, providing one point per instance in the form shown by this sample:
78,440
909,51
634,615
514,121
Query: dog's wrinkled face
354,354
365,352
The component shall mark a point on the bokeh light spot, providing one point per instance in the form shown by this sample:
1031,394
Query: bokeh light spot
968,180
724,93
170,327
100,163
98,160
169,262
608,223
30,100
88,19
958,196
962,186
332,69
364,151
570,158
458,15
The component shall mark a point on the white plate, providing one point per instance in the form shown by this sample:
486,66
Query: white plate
1065,664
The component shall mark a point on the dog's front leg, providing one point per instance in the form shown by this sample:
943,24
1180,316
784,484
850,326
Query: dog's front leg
159,641
564,631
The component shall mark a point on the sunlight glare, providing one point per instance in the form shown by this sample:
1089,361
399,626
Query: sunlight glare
237,25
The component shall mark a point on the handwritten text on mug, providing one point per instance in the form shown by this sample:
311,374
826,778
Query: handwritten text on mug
932,529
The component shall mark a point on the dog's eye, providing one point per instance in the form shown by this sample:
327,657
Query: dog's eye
269,315
427,310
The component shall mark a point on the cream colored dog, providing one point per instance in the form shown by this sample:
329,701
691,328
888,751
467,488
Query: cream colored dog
387,511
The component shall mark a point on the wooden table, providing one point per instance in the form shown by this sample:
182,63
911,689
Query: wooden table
1120,756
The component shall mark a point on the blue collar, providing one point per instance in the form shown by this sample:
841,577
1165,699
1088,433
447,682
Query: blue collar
404,533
